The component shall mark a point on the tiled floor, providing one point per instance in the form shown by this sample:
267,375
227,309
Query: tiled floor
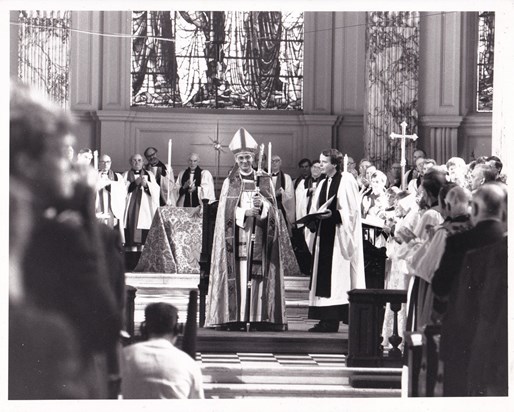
271,360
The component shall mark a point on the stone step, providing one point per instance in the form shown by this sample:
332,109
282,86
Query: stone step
279,374
175,288
290,342
270,390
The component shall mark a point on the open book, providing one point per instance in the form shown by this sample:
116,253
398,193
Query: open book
322,213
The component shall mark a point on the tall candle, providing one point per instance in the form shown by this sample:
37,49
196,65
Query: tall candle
95,159
345,163
269,157
169,153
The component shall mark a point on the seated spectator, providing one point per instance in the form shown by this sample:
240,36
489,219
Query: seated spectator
155,368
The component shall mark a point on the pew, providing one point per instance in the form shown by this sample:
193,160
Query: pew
130,297
425,376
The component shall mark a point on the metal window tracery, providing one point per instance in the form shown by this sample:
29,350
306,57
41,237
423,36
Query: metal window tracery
485,61
234,60
44,52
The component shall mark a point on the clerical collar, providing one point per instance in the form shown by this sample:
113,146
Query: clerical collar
137,172
275,174
250,173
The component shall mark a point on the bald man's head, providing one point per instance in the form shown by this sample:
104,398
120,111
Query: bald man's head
457,201
489,202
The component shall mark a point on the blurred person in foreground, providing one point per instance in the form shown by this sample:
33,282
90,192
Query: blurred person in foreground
44,361
65,270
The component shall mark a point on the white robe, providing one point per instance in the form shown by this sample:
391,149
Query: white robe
115,198
348,254
149,204
205,191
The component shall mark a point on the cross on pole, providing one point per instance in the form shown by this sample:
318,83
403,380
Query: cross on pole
403,136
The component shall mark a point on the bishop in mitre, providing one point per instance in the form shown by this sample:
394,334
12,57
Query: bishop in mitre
247,196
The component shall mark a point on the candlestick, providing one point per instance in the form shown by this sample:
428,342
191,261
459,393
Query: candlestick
169,153
269,157
95,159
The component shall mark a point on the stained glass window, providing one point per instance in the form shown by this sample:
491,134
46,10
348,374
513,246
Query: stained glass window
44,52
485,61
233,60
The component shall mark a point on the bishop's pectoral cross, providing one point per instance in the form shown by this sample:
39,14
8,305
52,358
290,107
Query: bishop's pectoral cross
403,136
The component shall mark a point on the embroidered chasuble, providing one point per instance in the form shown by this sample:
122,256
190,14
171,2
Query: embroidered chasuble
226,300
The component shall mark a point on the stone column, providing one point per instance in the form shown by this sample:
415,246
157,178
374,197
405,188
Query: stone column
439,83
503,98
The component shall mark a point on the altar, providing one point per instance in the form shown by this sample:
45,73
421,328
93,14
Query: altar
174,242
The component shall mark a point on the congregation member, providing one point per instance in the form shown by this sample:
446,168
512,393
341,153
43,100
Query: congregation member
394,176
305,172
396,273
194,184
375,201
431,216
142,202
497,164
284,191
457,171
361,178
163,176
454,203
414,171
245,208
422,166
336,245
156,368
460,285
481,173
111,194
64,270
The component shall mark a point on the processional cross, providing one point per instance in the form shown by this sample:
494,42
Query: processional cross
403,136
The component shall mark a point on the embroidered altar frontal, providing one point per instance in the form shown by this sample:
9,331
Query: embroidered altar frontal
174,242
